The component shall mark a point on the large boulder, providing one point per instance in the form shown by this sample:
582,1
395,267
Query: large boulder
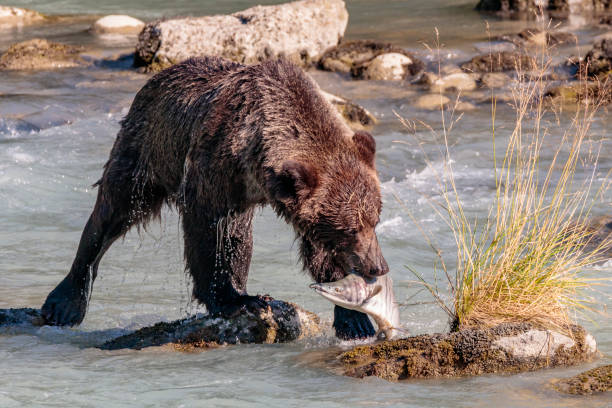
117,24
365,59
300,31
40,54
13,16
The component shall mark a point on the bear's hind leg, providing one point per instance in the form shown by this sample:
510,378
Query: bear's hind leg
118,207
218,255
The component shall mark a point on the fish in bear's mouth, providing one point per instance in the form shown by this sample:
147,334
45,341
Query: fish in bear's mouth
371,296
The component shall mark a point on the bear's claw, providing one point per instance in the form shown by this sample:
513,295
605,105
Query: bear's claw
351,324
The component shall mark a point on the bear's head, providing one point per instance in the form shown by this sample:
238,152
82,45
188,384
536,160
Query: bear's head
334,202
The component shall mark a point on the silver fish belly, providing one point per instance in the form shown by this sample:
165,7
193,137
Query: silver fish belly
374,297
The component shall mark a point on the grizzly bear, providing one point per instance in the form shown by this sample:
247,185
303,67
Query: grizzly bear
215,139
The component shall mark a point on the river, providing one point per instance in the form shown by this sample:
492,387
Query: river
56,130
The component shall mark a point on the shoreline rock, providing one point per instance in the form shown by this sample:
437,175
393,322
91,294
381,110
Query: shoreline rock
14,16
365,59
299,31
593,381
529,9
531,37
117,24
507,348
40,54
279,322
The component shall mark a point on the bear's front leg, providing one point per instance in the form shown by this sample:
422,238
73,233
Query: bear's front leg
218,255
351,324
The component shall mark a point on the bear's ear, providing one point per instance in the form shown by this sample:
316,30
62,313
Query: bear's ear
295,180
366,146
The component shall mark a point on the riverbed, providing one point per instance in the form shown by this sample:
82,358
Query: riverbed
56,130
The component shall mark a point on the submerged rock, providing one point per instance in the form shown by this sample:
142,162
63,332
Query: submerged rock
357,117
507,348
495,80
14,16
498,62
597,236
117,24
300,31
580,92
431,101
366,59
41,54
279,322
598,379
456,82
538,37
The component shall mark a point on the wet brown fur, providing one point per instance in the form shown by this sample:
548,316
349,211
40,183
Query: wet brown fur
216,139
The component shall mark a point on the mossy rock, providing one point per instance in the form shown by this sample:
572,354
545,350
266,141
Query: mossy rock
582,91
278,322
506,348
597,380
499,62
40,54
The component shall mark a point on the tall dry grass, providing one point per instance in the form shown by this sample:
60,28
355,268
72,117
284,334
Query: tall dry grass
525,262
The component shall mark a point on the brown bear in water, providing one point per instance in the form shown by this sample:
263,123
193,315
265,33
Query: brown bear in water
216,139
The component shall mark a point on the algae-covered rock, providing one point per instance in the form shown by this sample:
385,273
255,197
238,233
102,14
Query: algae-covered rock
537,37
507,348
498,62
554,8
300,31
581,91
356,116
598,379
279,322
14,16
40,54
374,60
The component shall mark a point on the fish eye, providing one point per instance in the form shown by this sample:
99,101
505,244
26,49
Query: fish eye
337,290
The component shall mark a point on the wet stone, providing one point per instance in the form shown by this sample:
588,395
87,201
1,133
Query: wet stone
356,116
593,381
366,59
499,62
40,54
279,322
506,348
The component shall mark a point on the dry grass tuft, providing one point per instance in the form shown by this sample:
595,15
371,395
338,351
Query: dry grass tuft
524,262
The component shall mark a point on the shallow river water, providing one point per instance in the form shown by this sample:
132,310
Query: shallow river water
56,130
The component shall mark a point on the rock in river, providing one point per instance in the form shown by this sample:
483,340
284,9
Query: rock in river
279,322
357,117
498,62
366,59
300,31
13,16
507,348
41,54
117,24
598,379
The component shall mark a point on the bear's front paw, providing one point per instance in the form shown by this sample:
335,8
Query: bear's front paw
66,305
242,304
351,324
